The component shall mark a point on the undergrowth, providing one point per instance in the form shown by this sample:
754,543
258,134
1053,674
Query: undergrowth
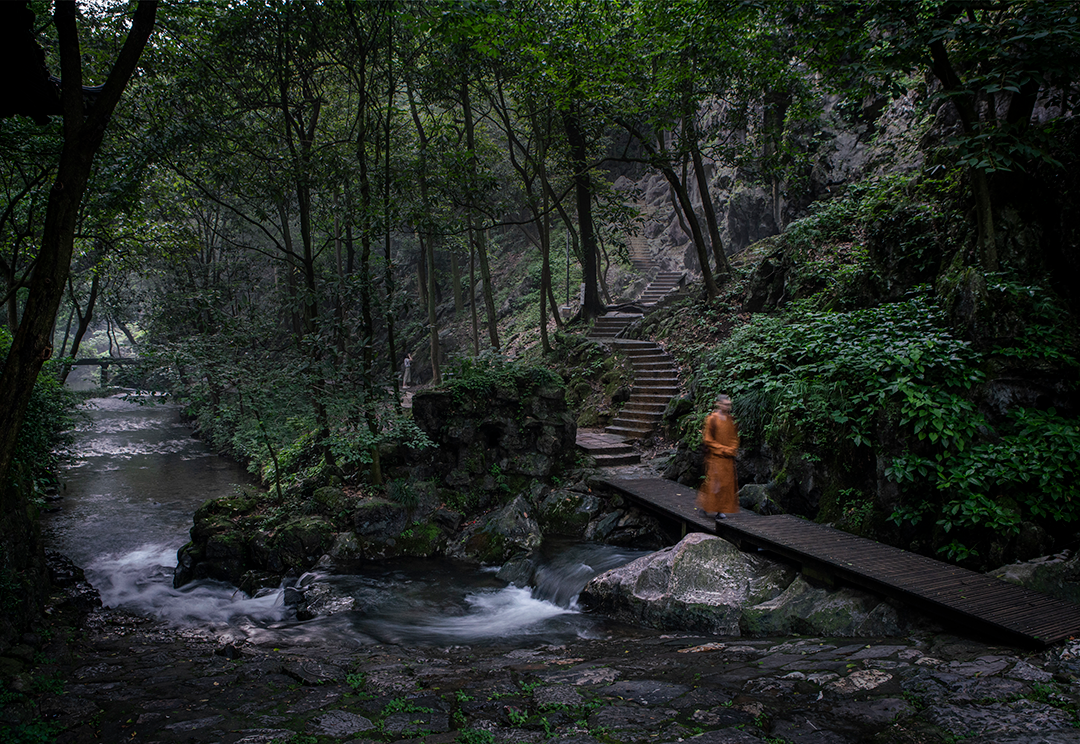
895,382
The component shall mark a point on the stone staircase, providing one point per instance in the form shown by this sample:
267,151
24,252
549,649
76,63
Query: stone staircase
656,382
660,287
656,378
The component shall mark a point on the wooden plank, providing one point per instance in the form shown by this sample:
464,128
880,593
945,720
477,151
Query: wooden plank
954,594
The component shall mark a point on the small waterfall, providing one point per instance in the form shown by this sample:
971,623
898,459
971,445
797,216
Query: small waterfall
567,567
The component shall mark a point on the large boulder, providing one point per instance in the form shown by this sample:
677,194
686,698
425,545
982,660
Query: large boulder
701,584
707,584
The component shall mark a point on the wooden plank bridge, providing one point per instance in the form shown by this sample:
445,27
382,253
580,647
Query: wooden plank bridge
956,596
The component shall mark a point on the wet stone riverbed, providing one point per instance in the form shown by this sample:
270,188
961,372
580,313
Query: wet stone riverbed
131,679
216,667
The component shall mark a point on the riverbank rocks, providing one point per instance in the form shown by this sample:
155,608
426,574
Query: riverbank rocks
707,584
1057,575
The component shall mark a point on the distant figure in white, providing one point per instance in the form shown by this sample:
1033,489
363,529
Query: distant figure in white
406,375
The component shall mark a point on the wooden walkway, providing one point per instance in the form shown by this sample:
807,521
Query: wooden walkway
976,602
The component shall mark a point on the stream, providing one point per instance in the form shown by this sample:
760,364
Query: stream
137,479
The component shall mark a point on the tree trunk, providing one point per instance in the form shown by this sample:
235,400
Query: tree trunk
84,320
472,299
980,185
545,270
427,248
681,194
478,233
455,276
421,272
592,305
83,131
433,320
723,268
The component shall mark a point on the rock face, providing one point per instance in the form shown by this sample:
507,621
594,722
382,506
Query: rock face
706,584
499,438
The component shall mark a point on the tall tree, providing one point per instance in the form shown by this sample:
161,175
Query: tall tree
84,128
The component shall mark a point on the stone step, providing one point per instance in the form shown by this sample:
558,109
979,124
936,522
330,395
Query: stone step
610,461
648,417
656,409
642,398
651,379
632,344
655,387
608,449
651,360
652,350
652,394
656,374
630,433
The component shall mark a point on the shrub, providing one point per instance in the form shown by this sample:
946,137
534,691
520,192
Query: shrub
812,379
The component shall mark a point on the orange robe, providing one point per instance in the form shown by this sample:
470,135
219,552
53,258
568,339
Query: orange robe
720,491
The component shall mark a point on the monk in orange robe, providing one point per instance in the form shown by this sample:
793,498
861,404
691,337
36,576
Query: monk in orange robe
720,491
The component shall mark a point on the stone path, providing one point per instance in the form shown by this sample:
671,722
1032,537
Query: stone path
656,377
607,450
656,382
131,680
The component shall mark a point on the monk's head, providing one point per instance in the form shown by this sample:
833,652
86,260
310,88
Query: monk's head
723,404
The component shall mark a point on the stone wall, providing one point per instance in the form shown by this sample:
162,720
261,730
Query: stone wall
499,439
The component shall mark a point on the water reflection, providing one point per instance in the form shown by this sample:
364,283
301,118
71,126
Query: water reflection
129,502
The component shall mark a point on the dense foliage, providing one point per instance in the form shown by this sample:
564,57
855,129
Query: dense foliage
895,392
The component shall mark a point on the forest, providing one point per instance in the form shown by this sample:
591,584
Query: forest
272,203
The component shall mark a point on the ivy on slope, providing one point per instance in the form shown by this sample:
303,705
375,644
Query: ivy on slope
471,377
829,383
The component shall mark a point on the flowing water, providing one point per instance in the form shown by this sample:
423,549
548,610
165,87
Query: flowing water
128,504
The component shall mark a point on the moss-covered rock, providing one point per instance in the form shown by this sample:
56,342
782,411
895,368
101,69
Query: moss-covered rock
804,609
330,500
300,542
567,513
508,532
379,517
422,540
